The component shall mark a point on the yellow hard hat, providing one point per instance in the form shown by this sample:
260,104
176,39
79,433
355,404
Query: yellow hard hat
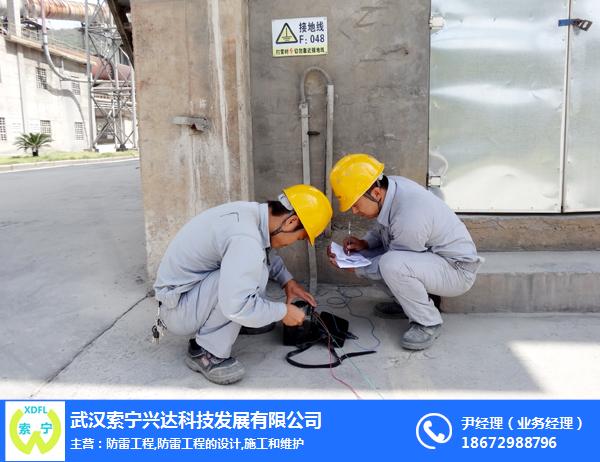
312,207
352,176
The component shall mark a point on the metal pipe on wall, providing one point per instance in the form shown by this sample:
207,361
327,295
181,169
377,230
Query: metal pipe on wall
92,138
304,115
329,149
14,22
47,50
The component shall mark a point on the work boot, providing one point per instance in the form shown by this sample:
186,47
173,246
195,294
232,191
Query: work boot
393,310
389,310
221,371
257,330
419,337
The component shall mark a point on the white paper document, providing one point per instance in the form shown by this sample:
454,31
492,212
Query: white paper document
354,260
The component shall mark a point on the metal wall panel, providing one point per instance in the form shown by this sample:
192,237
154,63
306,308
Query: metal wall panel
582,159
496,104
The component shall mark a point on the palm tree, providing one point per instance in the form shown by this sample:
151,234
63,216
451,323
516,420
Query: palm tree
33,141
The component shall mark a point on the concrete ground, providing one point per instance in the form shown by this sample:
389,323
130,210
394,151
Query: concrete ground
77,320
72,253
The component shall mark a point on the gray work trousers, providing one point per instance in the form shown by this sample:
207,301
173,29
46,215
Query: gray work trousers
410,276
198,313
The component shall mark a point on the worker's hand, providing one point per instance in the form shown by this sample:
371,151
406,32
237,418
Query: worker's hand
293,290
354,244
333,260
294,316
331,256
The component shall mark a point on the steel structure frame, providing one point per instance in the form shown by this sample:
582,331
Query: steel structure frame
111,96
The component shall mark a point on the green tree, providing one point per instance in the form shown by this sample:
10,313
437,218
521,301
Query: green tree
33,141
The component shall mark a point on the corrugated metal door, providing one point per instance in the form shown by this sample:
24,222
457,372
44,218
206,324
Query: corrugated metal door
496,104
582,159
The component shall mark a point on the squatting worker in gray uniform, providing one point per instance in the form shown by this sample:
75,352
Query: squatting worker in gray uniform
212,278
417,246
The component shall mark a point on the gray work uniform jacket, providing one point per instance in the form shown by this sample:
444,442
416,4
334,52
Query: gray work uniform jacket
414,219
234,239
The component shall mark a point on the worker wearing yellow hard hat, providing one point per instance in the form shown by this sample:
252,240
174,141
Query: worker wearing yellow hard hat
212,279
418,248
312,207
352,176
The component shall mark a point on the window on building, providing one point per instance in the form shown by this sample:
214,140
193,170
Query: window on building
16,127
79,131
75,88
46,127
40,78
3,129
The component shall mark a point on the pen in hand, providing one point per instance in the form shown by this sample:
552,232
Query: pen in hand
349,233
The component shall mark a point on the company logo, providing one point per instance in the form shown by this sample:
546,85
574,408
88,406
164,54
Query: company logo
433,429
34,430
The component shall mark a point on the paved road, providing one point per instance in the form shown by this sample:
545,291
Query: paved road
73,261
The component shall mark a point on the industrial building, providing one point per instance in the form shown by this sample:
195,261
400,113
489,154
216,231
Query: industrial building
49,92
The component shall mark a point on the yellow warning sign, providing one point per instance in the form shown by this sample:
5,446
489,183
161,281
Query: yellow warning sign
299,37
286,35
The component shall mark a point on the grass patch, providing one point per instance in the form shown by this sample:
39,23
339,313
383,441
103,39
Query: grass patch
58,155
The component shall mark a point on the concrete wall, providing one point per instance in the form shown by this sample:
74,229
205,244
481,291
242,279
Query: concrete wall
57,103
201,58
191,60
379,62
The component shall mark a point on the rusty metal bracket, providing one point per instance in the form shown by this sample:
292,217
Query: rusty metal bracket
197,123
